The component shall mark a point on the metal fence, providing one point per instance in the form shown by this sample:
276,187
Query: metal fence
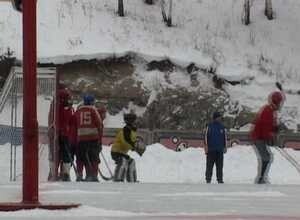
11,93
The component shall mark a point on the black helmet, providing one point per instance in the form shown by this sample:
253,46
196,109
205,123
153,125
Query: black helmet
217,115
129,118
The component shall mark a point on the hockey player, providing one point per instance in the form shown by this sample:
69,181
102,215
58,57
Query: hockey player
65,112
263,133
215,147
126,139
89,135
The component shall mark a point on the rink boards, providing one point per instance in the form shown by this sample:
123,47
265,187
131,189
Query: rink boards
173,139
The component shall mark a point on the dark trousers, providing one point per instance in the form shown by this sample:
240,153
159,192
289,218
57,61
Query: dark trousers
122,168
264,156
65,151
88,153
214,157
117,157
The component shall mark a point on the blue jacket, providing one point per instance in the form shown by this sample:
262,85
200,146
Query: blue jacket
216,136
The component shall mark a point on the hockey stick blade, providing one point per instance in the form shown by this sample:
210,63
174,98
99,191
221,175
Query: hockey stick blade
104,177
289,158
279,86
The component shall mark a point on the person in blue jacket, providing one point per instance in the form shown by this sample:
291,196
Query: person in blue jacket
215,147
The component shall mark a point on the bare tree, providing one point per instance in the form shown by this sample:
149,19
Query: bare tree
268,9
246,12
163,11
120,8
149,2
167,19
170,13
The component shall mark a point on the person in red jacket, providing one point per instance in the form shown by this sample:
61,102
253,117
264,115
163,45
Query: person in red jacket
263,133
89,135
62,124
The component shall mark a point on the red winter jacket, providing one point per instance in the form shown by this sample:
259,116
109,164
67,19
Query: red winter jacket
89,124
265,124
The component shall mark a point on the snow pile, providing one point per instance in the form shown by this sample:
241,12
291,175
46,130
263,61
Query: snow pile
162,165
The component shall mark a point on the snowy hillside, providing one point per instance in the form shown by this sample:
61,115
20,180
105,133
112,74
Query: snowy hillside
206,32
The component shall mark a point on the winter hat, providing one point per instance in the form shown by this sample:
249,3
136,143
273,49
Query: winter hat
276,98
130,118
216,115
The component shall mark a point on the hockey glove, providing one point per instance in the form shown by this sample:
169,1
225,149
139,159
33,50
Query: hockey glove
281,146
140,148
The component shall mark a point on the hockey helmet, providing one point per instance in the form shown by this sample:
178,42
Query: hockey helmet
130,118
276,98
217,115
64,96
88,99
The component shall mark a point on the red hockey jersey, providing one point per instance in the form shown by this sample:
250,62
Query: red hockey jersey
265,124
89,124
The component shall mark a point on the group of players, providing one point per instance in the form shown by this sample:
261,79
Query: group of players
79,133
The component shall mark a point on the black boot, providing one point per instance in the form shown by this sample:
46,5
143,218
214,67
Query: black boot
264,167
261,180
79,178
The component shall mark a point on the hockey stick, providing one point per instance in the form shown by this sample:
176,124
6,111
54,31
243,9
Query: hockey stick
99,171
279,86
104,177
109,170
289,158
107,166
292,159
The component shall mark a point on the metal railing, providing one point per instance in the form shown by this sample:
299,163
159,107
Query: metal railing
6,89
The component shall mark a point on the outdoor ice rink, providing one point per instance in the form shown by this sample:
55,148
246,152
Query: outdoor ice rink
147,201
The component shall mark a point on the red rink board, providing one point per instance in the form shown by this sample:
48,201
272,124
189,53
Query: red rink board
214,217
